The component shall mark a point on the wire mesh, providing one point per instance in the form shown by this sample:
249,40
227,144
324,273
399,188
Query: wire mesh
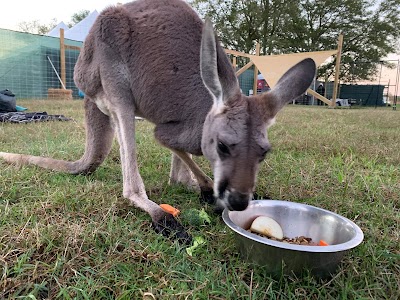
26,64
246,80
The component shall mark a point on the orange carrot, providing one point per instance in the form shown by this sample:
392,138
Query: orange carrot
323,243
170,209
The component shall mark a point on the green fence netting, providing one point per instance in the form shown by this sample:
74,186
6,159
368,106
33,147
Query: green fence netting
246,80
25,66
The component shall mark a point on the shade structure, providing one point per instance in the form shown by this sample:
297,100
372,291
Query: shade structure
272,67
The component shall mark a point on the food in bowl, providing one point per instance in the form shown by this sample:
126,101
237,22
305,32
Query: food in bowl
267,227
296,219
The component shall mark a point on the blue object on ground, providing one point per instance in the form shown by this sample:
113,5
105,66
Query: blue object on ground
20,108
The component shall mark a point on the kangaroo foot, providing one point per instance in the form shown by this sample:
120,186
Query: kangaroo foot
169,227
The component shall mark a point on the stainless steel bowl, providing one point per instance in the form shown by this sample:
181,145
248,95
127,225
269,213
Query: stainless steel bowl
296,219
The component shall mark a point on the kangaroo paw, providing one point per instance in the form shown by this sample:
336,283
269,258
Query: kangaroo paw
207,196
218,210
169,227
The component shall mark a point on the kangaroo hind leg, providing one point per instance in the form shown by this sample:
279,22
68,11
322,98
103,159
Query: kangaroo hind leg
180,173
99,137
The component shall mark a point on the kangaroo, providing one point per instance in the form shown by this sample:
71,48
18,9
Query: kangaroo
158,60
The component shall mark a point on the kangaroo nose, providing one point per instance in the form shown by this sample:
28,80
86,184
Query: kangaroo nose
238,201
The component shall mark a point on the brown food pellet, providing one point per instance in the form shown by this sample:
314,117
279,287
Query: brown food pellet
298,240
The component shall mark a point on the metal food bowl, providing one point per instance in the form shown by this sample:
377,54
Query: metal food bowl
296,219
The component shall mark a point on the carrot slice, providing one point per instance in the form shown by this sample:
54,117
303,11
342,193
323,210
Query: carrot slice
170,209
323,243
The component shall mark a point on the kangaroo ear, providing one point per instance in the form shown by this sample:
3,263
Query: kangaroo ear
216,69
291,85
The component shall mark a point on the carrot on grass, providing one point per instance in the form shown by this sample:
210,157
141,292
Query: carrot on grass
170,209
323,243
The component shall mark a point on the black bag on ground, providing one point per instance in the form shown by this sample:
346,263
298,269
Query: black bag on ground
8,103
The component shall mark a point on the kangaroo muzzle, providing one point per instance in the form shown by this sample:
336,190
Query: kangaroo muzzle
238,201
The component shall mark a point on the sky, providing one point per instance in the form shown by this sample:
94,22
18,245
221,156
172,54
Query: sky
17,11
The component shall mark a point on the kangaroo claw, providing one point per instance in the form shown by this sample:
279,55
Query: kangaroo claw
169,227
207,196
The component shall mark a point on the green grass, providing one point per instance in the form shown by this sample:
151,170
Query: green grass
76,237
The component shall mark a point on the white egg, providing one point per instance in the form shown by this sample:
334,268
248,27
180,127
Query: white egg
267,226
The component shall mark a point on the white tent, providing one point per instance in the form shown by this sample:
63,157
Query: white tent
55,32
79,31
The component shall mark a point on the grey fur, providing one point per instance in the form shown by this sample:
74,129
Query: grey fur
143,59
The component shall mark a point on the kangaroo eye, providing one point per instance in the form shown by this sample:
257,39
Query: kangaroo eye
223,149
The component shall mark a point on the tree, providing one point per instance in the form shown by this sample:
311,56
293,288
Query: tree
370,33
36,26
240,23
370,30
77,17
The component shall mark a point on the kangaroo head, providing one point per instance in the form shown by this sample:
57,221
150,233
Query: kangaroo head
234,136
